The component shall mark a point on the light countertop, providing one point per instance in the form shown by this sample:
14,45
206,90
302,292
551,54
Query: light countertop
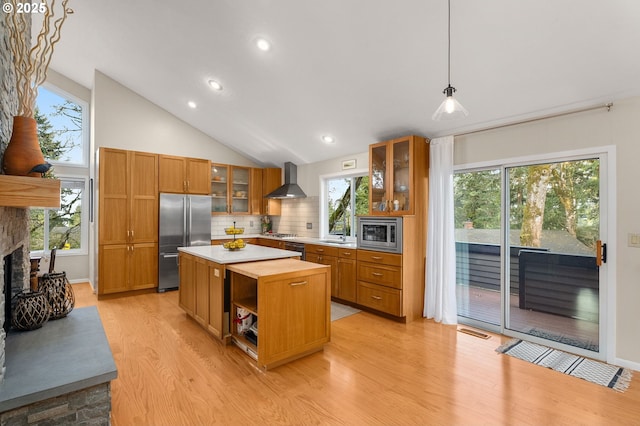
251,253
306,240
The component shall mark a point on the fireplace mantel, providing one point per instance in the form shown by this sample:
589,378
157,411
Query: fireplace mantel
22,191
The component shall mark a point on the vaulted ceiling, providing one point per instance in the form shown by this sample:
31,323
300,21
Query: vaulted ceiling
359,70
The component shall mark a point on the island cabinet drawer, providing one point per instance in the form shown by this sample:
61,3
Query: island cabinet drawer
322,250
380,257
390,276
381,298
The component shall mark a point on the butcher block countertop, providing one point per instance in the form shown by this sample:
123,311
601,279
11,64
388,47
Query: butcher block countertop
251,253
273,267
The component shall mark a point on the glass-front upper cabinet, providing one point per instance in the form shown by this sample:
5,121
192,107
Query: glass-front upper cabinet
219,189
230,189
239,189
392,177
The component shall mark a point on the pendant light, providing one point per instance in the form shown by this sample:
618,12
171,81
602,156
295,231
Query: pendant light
450,108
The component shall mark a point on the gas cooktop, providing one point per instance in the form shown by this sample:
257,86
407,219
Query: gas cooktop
280,235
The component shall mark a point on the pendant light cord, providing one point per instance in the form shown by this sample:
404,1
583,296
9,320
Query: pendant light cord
449,44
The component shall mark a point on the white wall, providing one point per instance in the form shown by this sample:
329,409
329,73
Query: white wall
123,119
309,174
619,127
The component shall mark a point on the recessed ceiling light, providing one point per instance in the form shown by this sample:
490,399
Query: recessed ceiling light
192,104
328,139
263,44
215,85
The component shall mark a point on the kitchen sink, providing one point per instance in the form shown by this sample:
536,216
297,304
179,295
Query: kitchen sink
339,242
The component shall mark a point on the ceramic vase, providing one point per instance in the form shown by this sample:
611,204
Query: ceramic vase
23,152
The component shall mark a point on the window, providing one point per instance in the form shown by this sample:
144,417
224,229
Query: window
65,227
62,128
345,198
63,123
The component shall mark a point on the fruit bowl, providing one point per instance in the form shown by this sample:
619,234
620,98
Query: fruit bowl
234,245
234,231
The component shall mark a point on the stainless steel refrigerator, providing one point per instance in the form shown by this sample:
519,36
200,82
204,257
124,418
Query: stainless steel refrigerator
185,220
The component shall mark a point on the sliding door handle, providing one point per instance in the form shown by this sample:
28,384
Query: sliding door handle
601,253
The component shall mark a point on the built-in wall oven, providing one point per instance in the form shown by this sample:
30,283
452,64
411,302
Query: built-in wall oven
380,233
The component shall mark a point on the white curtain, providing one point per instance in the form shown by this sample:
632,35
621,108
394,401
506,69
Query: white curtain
440,277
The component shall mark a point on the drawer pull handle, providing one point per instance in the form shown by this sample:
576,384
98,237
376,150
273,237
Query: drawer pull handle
346,253
376,257
320,250
297,283
376,297
376,274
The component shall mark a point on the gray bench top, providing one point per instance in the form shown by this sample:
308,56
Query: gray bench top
64,356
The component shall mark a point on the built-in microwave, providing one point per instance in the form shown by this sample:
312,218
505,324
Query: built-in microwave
380,233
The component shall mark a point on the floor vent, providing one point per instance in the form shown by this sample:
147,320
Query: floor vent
474,333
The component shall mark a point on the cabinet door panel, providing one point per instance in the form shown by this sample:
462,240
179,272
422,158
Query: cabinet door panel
144,266
295,315
201,313
187,290
240,189
113,220
346,279
382,298
113,279
171,177
216,301
144,220
198,176
390,276
114,192
144,197
271,180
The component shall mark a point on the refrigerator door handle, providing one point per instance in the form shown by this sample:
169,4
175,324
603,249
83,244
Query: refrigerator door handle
186,236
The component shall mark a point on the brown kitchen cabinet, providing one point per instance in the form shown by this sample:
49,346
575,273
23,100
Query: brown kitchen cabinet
271,180
398,171
270,242
128,221
183,175
380,283
324,255
230,189
290,299
347,273
201,293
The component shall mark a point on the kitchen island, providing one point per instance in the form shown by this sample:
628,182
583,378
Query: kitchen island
290,299
204,291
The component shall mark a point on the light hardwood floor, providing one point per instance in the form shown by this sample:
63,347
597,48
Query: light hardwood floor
373,372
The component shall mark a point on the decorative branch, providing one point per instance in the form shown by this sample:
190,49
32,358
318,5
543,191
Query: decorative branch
31,64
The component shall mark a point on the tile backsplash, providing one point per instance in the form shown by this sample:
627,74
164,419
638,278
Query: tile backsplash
296,214
251,224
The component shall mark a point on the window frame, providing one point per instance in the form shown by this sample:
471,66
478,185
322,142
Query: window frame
324,212
85,127
84,218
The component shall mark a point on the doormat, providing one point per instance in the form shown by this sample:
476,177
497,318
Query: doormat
611,376
338,311
578,343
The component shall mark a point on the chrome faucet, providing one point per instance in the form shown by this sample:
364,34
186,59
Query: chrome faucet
343,237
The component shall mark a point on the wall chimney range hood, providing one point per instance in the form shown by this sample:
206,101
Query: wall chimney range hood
290,189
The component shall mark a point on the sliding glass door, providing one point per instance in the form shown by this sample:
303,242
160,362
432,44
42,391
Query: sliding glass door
528,252
552,234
